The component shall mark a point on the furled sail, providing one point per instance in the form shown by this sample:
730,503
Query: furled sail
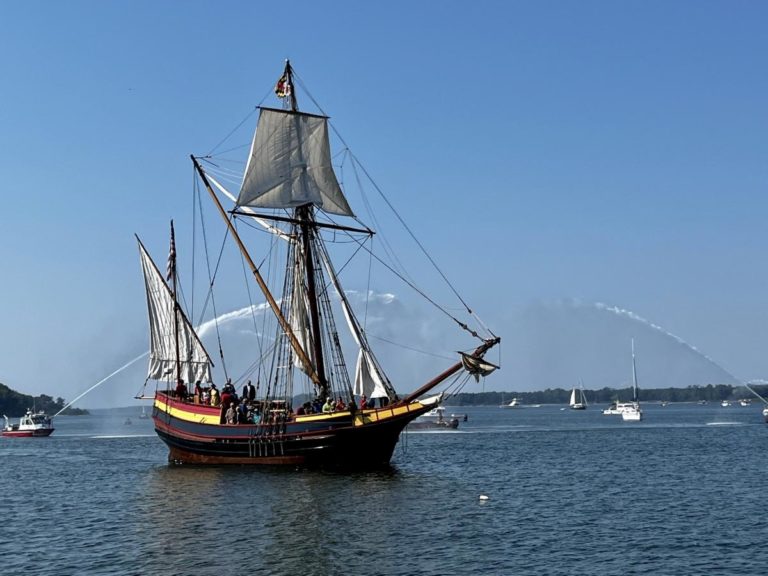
476,366
290,164
194,362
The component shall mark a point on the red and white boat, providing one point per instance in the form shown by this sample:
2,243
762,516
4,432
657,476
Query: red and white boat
31,424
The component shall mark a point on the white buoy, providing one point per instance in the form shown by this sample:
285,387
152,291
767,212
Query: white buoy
483,497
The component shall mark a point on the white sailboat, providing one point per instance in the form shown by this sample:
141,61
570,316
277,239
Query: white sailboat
578,400
631,411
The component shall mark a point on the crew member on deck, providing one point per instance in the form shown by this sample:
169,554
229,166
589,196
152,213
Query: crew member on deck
215,399
181,389
249,392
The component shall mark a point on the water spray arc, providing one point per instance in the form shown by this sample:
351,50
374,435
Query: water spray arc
100,382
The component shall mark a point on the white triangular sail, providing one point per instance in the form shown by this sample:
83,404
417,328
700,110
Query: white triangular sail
573,397
194,362
290,164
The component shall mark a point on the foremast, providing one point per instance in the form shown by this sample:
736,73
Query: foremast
172,277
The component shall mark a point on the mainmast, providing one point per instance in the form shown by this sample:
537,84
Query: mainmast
303,214
284,324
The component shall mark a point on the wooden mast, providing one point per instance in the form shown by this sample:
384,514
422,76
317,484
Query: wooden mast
172,272
305,212
284,324
304,215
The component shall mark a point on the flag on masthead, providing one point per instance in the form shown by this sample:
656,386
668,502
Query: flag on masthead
283,88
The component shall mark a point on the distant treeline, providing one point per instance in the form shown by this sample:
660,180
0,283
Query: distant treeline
13,403
710,393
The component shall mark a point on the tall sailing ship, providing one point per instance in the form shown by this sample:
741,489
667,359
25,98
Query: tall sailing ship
289,191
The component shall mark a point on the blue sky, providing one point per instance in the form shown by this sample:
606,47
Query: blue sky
605,151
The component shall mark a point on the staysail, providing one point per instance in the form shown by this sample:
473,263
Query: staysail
290,164
193,362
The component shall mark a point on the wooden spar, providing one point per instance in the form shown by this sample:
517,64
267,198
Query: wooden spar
315,224
303,358
478,353
306,221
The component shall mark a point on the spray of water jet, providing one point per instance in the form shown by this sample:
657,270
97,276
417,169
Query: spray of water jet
100,382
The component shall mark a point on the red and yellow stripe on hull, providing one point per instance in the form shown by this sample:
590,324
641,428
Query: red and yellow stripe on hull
194,434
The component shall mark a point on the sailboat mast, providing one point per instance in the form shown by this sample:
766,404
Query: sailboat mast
172,273
305,216
284,324
634,374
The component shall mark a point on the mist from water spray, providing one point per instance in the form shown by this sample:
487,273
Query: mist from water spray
636,317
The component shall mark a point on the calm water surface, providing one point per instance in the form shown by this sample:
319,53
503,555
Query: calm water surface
569,493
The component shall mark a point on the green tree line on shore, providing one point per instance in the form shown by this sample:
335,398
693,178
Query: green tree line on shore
14,403
710,393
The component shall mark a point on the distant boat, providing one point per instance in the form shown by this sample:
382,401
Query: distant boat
578,400
31,424
725,403
515,403
765,414
614,409
434,419
143,415
745,402
632,411
128,422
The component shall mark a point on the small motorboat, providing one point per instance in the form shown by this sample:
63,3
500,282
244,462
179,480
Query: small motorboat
31,424
434,419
